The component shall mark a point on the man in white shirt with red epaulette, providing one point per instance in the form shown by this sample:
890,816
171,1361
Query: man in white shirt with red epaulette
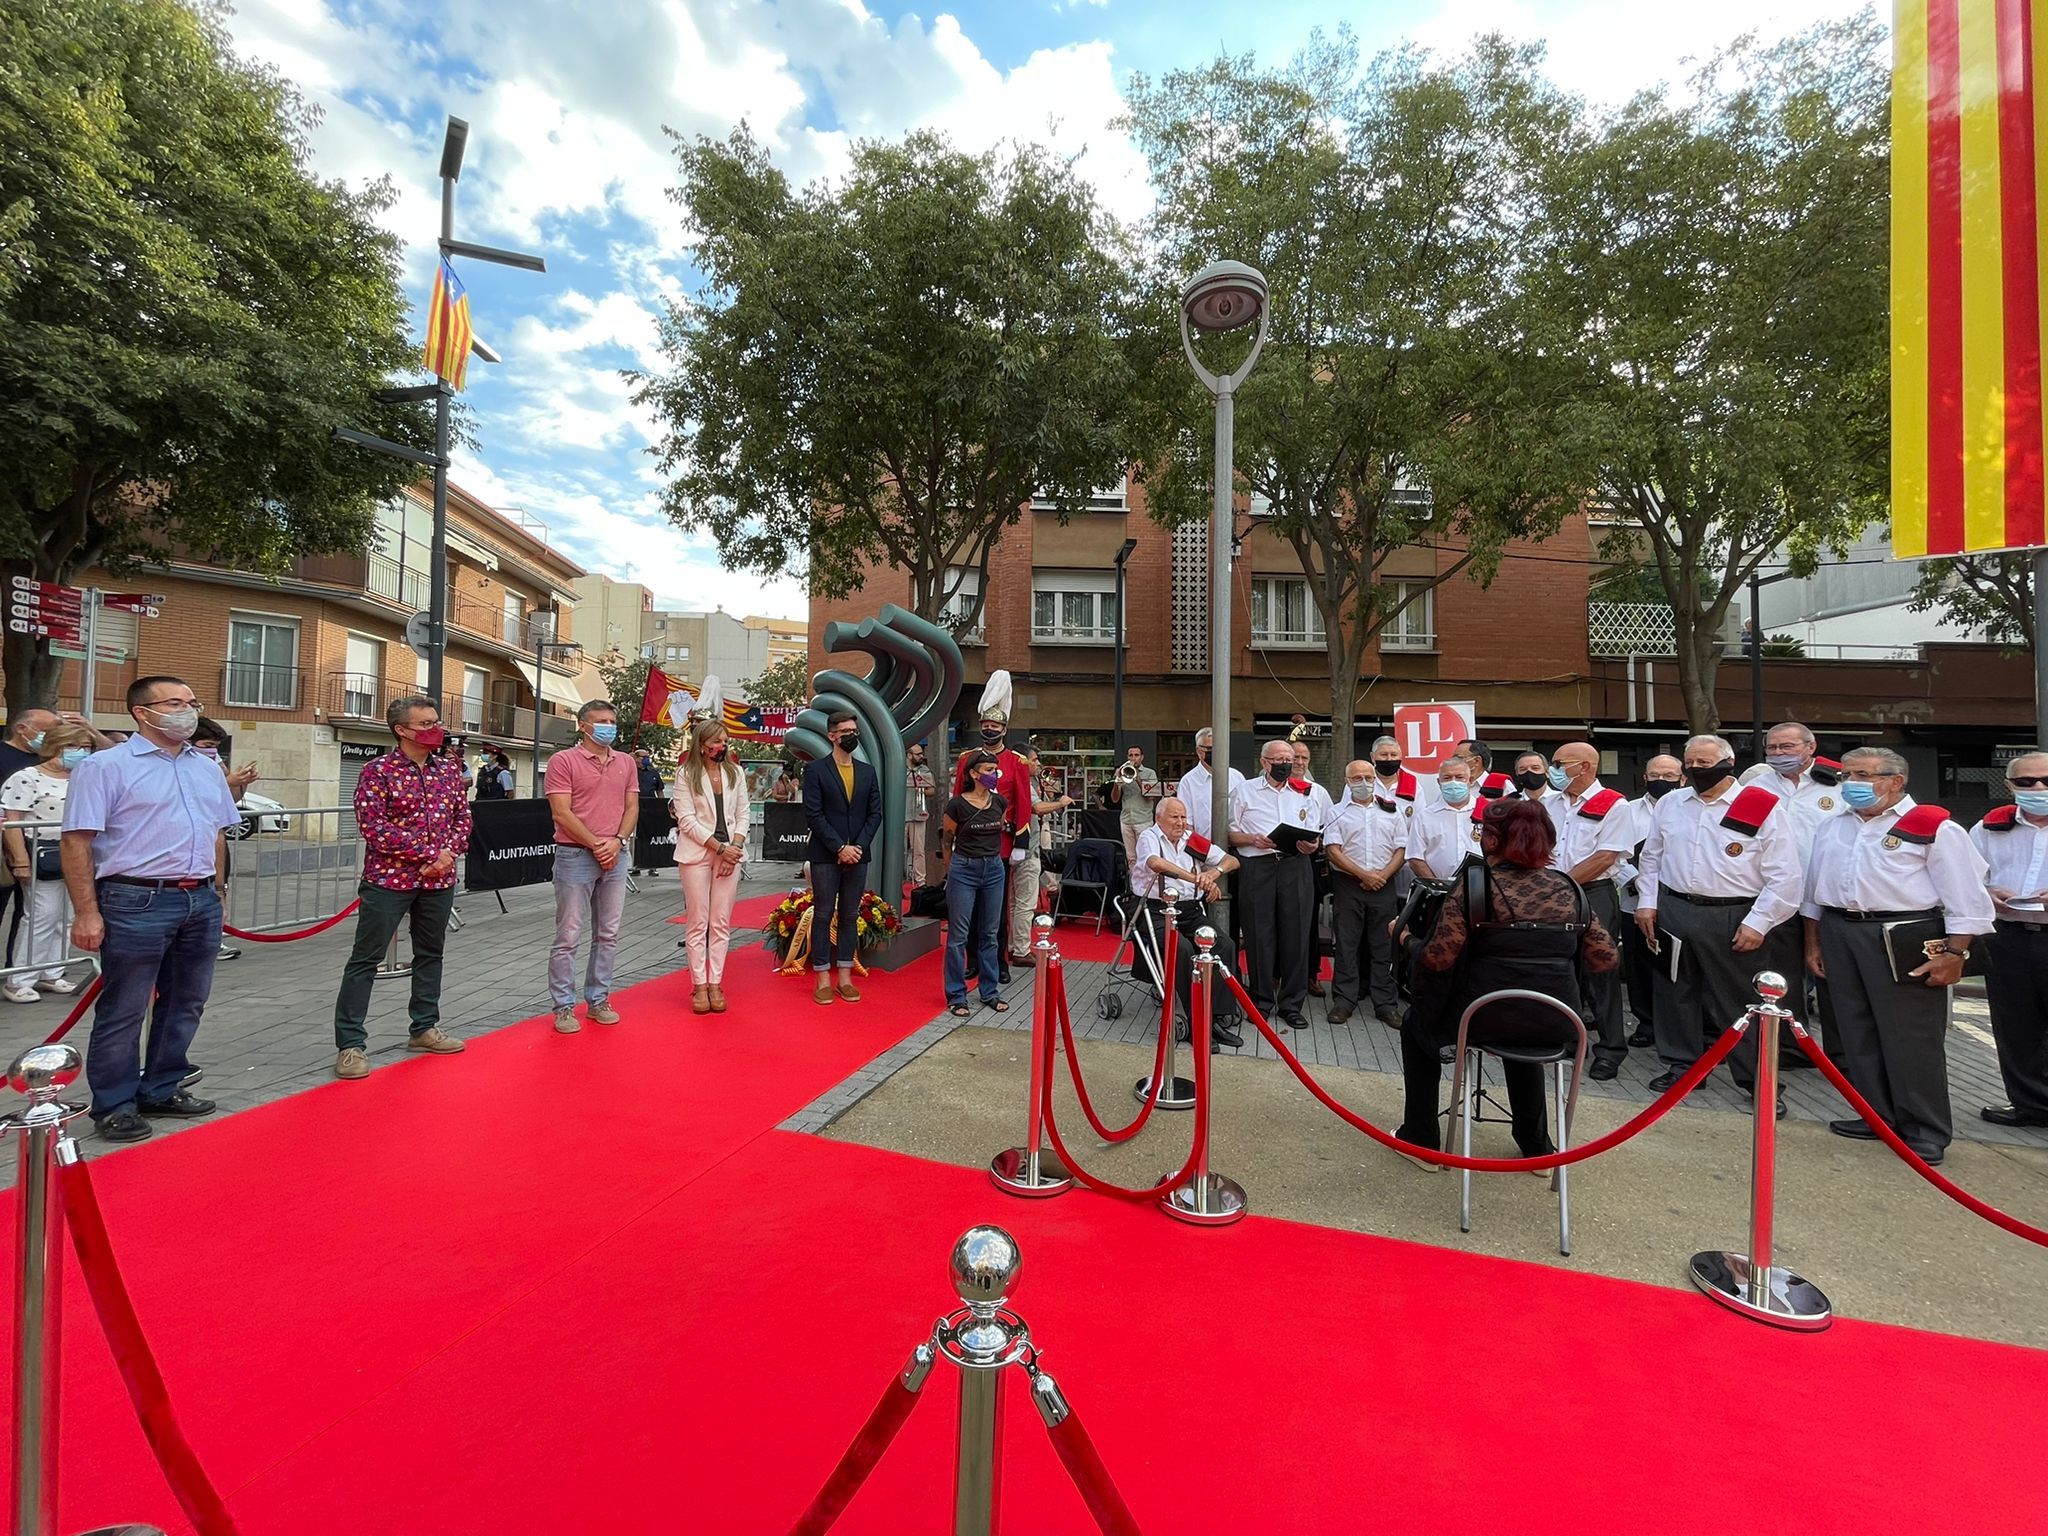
2014,842
1595,832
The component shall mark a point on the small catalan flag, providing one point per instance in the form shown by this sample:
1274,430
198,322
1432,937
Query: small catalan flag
448,331
1969,188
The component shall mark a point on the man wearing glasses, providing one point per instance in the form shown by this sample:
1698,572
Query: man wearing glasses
1884,872
2014,841
144,859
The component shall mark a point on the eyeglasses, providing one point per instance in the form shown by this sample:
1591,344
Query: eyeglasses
2028,782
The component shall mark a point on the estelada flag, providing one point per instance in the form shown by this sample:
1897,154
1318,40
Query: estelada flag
667,701
448,330
752,722
1969,187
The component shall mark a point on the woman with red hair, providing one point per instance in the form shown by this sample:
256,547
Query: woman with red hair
1535,932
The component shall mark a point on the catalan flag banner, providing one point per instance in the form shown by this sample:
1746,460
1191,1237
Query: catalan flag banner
668,700
754,722
448,329
1969,187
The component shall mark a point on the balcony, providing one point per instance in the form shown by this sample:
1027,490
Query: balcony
510,723
385,577
358,696
245,685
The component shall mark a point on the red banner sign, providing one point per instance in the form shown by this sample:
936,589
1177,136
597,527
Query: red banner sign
1428,732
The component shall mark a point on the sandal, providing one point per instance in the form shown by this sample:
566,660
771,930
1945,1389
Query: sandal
961,1011
999,1006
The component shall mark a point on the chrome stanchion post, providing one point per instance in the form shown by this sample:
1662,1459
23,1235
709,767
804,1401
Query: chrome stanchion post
1749,1283
1028,1170
981,1338
1207,1199
391,966
41,1073
1179,1092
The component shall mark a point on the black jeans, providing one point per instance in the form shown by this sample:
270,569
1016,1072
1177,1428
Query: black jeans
835,890
1422,1071
381,913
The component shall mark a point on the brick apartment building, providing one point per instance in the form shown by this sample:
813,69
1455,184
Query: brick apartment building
300,666
1539,659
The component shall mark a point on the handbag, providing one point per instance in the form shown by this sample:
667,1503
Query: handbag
49,861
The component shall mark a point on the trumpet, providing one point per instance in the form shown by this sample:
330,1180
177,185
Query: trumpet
1127,774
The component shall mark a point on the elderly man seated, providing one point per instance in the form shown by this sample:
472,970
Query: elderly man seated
1175,863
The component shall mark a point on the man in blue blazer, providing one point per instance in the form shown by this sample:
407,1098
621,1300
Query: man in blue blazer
843,806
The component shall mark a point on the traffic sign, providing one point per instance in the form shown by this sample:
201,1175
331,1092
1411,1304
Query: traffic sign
419,631
148,604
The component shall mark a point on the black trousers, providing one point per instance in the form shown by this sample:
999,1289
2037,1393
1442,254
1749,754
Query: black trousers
1603,988
1276,905
1362,960
1193,915
1422,1071
1638,970
2017,986
1893,1033
1713,987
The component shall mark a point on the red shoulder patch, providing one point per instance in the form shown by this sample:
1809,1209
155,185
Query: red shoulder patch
1494,785
1826,771
1300,786
1919,824
1199,845
1404,786
1597,806
2002,818
1749,810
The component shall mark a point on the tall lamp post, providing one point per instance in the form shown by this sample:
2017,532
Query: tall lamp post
1756,659
1223,296
1117,692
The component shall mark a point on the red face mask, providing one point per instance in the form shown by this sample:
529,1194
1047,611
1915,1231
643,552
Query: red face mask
430,736
715,754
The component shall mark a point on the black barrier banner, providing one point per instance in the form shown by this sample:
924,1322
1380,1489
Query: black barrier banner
511,842
786,836
654,840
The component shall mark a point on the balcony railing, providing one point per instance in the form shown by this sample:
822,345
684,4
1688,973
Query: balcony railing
246,685
509,722
357,696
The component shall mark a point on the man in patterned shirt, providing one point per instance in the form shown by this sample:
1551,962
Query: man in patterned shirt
415,824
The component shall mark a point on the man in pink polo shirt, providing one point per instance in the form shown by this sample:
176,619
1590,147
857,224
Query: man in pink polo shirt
595,795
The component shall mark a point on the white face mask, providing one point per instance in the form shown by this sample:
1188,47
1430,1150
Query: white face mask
1361,789
178,724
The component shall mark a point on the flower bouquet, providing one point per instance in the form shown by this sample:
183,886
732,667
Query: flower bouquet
787,933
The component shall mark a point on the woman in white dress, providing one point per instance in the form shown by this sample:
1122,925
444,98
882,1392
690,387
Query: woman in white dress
37,794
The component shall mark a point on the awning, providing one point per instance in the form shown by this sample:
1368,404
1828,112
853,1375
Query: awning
553,687
481,553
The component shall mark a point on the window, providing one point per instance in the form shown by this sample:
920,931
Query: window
362,678
1073,607
475,681
965,585
515,619
1414,627
1283,613
402,552
263,663
1103,498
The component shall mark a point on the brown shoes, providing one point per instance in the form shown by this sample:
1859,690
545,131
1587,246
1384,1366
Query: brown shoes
848,991
351,1063
432,1039
824,992
601,1013
717,999
700,999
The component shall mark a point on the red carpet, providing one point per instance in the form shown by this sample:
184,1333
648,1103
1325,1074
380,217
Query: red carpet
565,1284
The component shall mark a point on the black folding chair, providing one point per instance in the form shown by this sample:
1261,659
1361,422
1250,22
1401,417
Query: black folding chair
1094,873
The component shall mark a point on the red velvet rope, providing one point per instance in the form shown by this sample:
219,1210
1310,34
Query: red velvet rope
874,1438
1083,1462
1656,1111
85,1001
1064,1023
145,1383
322,926
1914,1160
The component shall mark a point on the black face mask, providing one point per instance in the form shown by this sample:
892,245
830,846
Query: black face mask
1529,783
1704,779
991,733
1657,789
1387,768
849,741
1279,773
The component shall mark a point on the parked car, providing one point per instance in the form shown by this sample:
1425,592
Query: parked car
260,813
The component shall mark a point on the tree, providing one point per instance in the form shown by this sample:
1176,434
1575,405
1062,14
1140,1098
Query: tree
185,312
1992,593
782,684
887,370
1723,259
1406,395
625,684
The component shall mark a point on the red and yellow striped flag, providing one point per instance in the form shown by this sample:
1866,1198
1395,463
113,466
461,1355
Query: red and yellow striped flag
448,330
1969,186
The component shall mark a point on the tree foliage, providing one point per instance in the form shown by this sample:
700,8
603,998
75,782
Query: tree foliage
885,371
1407,393
1722,257
625,684
185,312
1991,593
784,684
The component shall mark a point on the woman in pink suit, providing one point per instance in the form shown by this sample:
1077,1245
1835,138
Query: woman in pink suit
711,845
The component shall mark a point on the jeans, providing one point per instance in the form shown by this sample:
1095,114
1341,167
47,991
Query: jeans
835,896
974,907
377,920
583,892
162,942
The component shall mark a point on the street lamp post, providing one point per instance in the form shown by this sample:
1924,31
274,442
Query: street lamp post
1117,725
1223,296
1756,659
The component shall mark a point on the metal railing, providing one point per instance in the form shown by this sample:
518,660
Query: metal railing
357,696
247,685
1630,629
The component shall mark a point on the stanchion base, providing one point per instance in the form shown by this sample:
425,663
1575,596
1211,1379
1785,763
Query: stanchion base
382,973
1208,1200
122,1530
1011,1171
1792,1303
1179,1094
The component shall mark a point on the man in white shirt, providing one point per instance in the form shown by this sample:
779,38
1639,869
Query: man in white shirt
1196,787
1595,833
1276,822
1442,832
1176,865
2014,842
1661,775
1363,842
1892,862
1810,786
1720,873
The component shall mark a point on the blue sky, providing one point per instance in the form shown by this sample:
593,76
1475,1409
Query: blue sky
567,100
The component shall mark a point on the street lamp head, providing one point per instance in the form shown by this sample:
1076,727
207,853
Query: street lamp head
1129,548
452,147
1224,296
